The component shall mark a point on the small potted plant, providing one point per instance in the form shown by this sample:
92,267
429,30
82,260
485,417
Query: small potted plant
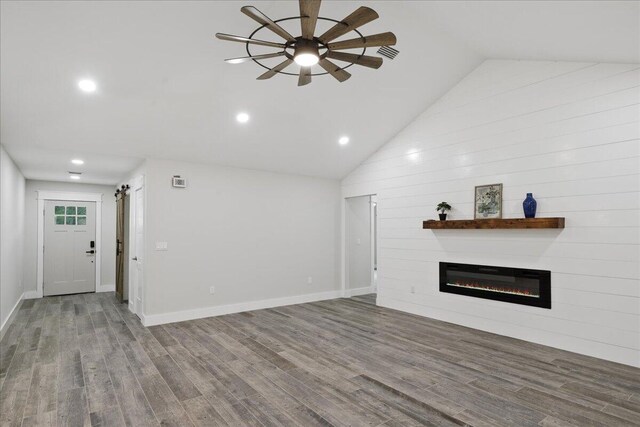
443,207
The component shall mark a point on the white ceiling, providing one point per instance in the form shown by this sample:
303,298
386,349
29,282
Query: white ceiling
54,165
165,92
591,31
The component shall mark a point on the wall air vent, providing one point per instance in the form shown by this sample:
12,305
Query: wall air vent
388,52
178,182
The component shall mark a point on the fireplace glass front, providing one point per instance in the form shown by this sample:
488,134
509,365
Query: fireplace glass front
514,285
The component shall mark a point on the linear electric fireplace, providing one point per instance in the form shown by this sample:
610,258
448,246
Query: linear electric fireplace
514,285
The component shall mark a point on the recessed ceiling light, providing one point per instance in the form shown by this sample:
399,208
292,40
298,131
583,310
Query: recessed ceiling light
74,176
344,140
77,162
413,155
87,85
242,117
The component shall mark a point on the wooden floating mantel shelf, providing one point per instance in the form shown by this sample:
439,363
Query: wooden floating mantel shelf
507,223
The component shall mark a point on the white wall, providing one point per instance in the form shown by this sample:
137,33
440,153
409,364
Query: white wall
568,132
358,245
11,235
107,252
252,235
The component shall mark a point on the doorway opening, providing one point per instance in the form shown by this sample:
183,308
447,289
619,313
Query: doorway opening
361,248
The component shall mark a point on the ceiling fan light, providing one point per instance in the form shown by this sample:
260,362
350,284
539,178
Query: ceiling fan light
306,54
306,59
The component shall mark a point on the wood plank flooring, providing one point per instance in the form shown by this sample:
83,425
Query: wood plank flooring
83,360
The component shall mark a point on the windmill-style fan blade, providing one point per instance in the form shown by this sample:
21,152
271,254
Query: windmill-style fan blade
263,19
361,16
331,68
383,39
367,61
305,76
249,58
229,37
309,13
272,72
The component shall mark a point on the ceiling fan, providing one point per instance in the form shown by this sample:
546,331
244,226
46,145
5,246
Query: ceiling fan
307,49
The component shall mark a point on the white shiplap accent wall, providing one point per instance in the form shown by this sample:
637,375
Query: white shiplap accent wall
568,132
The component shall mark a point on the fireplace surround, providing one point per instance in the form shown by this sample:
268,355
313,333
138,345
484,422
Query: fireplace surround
513,285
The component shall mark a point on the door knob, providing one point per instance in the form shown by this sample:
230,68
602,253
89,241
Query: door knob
91,252
135,258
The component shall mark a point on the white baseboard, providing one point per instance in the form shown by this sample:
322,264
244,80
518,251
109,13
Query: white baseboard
106,288
199,313
11,316
359,291
32,295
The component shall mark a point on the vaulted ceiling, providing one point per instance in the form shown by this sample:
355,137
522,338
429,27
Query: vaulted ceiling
165,92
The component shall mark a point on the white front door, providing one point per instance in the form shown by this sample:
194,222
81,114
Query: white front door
69,247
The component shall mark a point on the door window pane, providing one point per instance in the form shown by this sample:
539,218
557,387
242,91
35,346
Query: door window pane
59,210
82,210
71,220
82,220
71,210
60,220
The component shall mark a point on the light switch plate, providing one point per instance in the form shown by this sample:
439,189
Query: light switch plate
162,246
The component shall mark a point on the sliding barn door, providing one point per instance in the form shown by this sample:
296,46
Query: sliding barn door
120,242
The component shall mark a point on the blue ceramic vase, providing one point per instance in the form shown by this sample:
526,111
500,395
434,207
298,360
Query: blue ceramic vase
529,206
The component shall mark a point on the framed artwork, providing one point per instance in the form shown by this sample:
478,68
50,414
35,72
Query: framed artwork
488,202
